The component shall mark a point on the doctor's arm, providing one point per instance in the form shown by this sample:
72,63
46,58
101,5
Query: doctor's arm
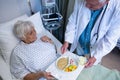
69,36
70,28
105,45
108,42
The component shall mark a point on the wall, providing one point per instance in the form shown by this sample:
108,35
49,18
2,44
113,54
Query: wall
10,7
36,5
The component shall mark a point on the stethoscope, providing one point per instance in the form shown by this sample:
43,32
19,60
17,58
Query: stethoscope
97,33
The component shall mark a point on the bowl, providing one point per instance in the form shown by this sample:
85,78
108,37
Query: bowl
67,64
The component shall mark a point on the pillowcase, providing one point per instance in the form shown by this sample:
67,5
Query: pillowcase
8,41
36,20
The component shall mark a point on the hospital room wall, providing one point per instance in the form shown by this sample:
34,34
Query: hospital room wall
35,5
10,7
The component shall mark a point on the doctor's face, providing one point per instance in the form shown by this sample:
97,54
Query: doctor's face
95,4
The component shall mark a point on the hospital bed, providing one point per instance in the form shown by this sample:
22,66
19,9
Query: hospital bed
8,41
10,12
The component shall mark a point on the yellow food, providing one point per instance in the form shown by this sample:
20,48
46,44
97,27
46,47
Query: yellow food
62,63
70,68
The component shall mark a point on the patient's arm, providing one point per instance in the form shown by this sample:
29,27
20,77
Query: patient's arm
46,39
38,75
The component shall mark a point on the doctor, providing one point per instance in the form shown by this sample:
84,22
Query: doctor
93,29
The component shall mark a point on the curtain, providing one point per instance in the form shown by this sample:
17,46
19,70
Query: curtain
65,8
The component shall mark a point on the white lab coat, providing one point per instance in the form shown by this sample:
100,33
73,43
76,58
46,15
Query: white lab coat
109,29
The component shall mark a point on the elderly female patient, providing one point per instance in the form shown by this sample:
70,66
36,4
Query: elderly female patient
32,55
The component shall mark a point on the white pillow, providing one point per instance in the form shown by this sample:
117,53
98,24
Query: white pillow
36,20
7,39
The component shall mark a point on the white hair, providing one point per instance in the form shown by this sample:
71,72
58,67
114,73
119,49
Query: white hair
21,28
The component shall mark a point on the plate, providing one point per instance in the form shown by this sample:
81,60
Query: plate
67,64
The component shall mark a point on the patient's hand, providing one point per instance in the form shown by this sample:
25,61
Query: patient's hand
48,76
46,39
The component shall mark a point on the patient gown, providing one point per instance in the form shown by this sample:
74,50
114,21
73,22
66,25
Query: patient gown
33,57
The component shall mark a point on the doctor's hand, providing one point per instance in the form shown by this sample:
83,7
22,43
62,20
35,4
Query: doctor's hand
64,47
90,62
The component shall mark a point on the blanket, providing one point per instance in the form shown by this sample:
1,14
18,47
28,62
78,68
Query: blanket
99,72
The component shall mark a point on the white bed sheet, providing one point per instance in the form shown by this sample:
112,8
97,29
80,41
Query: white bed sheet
4,70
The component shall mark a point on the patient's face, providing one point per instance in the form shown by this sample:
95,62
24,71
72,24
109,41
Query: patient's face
30,36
